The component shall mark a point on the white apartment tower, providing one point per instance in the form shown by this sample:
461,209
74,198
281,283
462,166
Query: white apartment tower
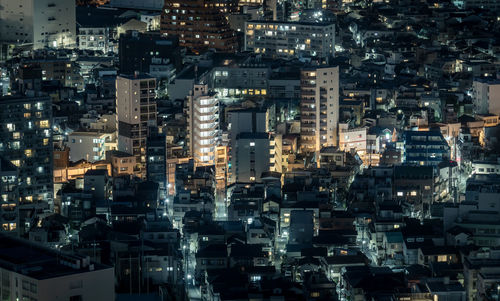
203,128
136,112
43,23
319,107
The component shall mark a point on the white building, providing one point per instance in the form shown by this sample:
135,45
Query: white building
486,96
366,145
290,39
486,167
203,128
90,145
96,39
43,23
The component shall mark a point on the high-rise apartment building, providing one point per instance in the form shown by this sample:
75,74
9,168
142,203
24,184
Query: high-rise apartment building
136,112
9,194
43,23
26,141
200,24
203,124
319,108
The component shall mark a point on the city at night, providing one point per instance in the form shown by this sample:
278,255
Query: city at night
249,150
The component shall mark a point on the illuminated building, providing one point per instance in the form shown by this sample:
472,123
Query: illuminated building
290,39
203,129
319,108
200,24
136,111
26,141
9,194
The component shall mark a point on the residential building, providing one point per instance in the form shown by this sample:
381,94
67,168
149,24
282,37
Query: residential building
26,141
89,145
203,128
9,195
145,52
188,18
296,39
136,112
486,96
425,148
319,106
42,23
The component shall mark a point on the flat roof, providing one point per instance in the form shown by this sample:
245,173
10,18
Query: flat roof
38,262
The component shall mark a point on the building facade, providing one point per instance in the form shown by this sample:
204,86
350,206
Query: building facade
43,23
203,127
290,39
26,141
319,107
425,148
486,96
9,194
136,112
200,24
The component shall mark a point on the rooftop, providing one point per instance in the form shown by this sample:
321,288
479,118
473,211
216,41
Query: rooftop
38,262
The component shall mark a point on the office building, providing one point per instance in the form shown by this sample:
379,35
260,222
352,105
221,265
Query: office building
33,272
290,39
136,112
43,23
486,96
9,195
189,19
425,148
319,108
203,124
26,141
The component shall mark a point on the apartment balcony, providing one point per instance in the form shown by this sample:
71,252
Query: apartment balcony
307,109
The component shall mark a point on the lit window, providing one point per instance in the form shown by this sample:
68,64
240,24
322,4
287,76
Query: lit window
252,143
28,153
44,124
